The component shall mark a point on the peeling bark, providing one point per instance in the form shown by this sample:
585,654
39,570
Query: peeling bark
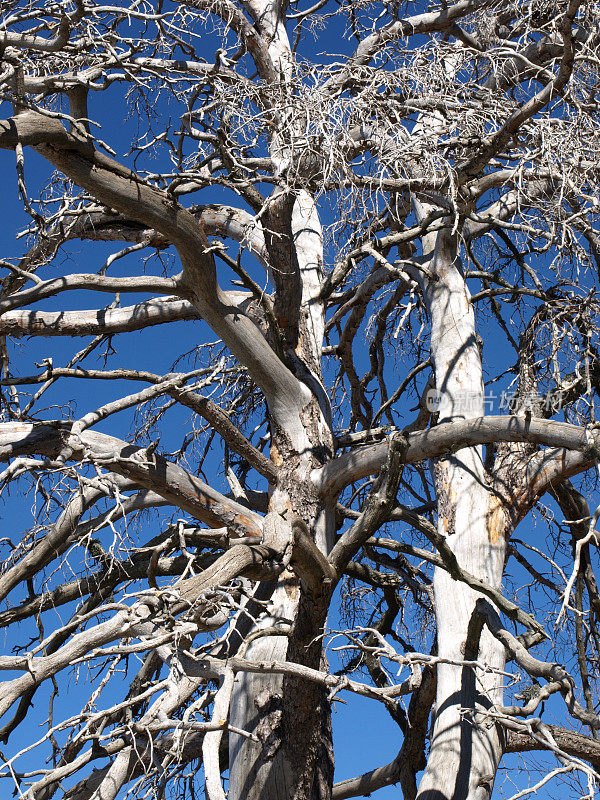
465,749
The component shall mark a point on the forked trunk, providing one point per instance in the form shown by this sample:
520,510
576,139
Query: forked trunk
292,757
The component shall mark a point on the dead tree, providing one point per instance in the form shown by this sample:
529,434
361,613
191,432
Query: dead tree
387,215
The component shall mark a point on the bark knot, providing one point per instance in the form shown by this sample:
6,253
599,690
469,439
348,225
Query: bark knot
269,728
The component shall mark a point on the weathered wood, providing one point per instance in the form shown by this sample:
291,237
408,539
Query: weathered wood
463,756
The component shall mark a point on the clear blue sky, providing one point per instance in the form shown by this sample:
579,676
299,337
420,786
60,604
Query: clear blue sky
365,736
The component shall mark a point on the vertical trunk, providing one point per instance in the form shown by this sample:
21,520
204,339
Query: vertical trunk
262,769
292,759
465,747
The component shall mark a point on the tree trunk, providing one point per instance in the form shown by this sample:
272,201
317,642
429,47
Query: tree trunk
292,758
464,757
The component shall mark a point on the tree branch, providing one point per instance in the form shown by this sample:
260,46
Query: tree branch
118,187
150,471
449,437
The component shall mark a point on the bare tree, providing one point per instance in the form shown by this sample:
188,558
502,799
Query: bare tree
387,215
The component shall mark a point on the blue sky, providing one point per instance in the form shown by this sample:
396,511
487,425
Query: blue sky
365,736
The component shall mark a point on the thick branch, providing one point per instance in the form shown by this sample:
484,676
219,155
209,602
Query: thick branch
450,437
150,471
95,322
118,187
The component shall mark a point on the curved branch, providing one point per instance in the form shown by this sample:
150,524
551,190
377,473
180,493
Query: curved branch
452,436
118,187
499,139
40,43
148,470
429,22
